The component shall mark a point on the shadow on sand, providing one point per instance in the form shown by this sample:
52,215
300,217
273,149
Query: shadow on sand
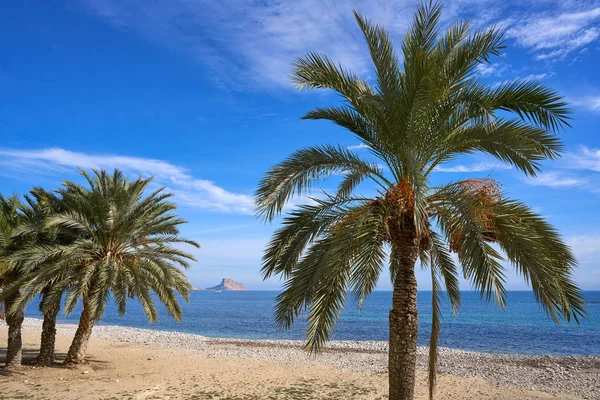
29,356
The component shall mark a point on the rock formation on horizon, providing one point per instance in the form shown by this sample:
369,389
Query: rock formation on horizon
228,284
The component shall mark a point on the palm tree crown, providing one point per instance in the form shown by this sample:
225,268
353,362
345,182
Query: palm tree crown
89,243
422,112
10,240
124,246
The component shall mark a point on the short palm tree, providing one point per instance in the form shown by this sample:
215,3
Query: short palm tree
418,114
124,248
10,242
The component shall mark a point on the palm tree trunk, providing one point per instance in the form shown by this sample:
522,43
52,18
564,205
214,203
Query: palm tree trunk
404,317
77,351
46,356
14,348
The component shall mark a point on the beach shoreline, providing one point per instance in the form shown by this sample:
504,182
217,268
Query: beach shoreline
576,376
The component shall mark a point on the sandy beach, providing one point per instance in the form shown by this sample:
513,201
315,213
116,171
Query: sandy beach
134,363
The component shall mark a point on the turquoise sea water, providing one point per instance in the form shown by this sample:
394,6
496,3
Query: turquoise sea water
522,328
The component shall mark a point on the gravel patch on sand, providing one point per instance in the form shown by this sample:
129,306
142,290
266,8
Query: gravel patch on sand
578,376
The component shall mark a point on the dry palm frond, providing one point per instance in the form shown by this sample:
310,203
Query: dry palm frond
486,192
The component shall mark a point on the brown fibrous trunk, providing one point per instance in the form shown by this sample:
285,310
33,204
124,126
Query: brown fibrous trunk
78,349
14,348
46,356
404,317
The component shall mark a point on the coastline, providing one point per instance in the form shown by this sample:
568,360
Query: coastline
577,376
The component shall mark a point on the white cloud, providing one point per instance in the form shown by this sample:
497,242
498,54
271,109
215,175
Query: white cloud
359,147
539,77
473,168
195,192
486,69
556,180
585,159
248,43
578,169
590,103
491,69
253,44
553,35
585,247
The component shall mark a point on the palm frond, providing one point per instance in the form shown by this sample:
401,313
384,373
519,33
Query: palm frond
539,254
458,214
443,262
510,141
317,71
299,228
387,65
348,255
532,101
296,175
436,312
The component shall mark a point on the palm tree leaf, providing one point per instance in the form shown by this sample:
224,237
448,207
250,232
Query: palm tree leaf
531,101
436,312
296,175
443,262
541,257
457,211
299,228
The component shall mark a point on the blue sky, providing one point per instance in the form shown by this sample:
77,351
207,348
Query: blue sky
197,93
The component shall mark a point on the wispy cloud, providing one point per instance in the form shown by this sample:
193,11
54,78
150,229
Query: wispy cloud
252,43
474,167
556,180
496,69
585,246
577,169
586,159
267,115
539,77
554,34
589,103
190,190
358,147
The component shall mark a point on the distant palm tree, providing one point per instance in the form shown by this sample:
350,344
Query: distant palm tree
419,114
10,242
124,248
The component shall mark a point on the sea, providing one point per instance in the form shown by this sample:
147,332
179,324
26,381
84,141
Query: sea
521,328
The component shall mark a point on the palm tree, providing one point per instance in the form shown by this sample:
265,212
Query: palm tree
10,242
32,257
124,247
418,114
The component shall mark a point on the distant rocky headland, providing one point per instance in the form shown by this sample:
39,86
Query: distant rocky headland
226,284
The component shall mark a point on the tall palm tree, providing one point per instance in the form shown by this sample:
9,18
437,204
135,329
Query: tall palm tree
124,249
10,242
418,114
